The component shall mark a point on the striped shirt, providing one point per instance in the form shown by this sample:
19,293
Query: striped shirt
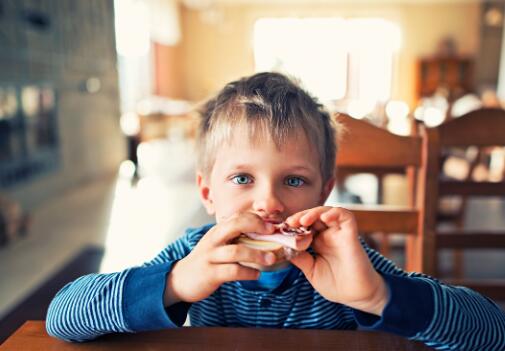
419,307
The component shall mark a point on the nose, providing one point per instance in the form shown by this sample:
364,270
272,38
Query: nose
267,201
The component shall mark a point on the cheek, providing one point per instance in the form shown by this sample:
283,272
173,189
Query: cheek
300,201
227,205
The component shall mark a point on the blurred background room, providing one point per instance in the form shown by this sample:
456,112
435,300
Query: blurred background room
97,122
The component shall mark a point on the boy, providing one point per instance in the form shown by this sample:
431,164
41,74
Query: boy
267,154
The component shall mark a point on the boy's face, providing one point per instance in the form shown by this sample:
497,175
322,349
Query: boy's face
257,177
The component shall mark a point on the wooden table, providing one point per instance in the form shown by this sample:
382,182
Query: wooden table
32,336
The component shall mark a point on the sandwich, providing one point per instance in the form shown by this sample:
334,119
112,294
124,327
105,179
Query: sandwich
285,243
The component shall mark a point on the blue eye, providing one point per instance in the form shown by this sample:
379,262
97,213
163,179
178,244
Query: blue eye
294,182
241,179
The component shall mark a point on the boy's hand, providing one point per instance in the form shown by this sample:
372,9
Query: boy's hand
214,260
341,270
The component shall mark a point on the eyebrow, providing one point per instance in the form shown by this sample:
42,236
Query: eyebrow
241,166
303,168
310,170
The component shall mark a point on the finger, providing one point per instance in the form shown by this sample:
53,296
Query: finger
316,225
303,242
229,272
242,223
294,219
324,243
241,253
305,262
337,217
319,226
313,215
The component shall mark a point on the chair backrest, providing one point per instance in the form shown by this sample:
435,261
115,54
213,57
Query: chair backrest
481,128
364,147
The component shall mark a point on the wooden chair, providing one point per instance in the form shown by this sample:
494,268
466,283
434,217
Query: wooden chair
364,147
481,128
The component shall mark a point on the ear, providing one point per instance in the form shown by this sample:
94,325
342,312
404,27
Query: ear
205,193
327,188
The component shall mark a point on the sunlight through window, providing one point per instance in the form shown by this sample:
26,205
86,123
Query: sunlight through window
334,58
131,40
294,46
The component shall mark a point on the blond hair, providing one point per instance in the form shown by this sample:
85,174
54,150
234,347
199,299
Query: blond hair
266,102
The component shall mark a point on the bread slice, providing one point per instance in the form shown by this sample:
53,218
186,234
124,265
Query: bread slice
277,249
285,244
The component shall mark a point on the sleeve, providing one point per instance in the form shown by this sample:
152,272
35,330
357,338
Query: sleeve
127,301
440,315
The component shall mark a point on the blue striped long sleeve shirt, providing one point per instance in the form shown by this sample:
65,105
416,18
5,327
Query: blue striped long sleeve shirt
419,307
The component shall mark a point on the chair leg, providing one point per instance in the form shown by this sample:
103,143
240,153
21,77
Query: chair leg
412,258
458,262
385,245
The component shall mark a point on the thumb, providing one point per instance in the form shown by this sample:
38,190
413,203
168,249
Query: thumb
305,262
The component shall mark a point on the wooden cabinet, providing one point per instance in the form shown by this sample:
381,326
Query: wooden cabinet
453,73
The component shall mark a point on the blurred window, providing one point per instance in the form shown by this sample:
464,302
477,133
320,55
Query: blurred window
345,61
